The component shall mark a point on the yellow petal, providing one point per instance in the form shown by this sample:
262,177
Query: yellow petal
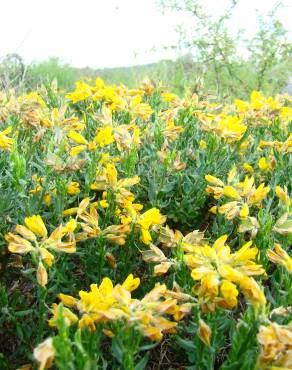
77,138
44,353
131,283
36,225
244,212
42,276
204,332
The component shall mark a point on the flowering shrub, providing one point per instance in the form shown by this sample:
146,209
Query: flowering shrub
104,183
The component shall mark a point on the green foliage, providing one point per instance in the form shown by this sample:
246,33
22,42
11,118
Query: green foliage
177,150
47,71
217,53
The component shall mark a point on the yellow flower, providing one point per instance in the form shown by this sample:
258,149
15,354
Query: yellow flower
108,333
213,210
245,194
264,166
87,322
281,257
257,100
241,105
44,353
46,256
104,203
104,136
145,236
229,293
147,220
70,211
170,98
259,194
138,109
77,150
68,300
73,188
36,228
6,142
18,244
42,275
108,303
283,195
111,174
253,293
230,128
216,267
230,192
244,212
151,217
248,168
202,144
204,332
25,232
230,210
70,226
77,138
214,180
131,283
47,199
276,344
82,92
69,317
36,225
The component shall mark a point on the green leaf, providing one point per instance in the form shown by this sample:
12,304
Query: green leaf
143,362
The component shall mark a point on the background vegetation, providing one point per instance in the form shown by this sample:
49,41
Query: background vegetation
210,59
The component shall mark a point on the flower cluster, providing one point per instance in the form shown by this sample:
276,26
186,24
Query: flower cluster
220,272
276,346
33,238
123,178
106,303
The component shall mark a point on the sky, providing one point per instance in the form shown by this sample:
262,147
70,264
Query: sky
105,33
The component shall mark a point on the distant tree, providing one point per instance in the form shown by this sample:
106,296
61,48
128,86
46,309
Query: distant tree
12,71
217,52
46,71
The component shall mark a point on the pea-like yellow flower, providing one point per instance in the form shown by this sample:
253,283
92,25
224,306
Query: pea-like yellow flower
81,92
73,188
202,144
204,332
108,303
146,221
77,138
243,195
283,195
219,273
248,168
36,225
6,142
280,257
44,353
276,346
42,275
264,166
104,136
33,238
139,109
